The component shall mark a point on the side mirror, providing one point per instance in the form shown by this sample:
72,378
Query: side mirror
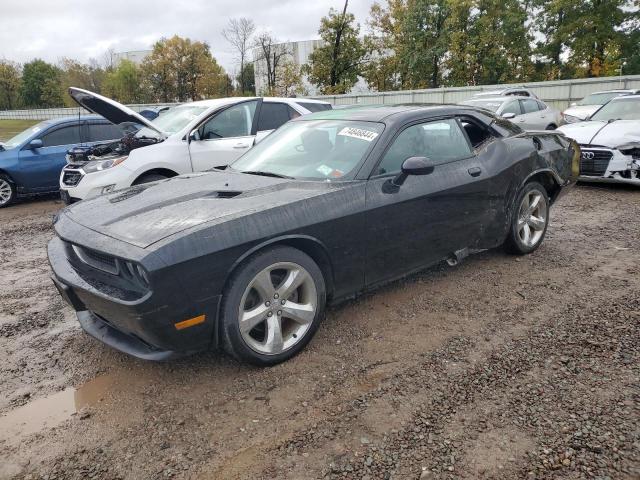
35,143
193,136
509,115
411,166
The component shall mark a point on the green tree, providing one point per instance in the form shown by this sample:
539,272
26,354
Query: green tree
9,85
335,66
82,75
246,80
179,69
41,85
123,84
289,80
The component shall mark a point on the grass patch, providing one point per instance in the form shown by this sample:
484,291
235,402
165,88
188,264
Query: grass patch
10,128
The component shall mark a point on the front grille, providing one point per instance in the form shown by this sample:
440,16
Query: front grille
71,178
97,260
594,161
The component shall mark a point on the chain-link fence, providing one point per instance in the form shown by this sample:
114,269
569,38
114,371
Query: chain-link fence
50,113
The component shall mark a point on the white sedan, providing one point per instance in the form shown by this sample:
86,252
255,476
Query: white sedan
192,137
610,142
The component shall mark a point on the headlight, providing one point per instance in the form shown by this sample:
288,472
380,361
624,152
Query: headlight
571,118
99,165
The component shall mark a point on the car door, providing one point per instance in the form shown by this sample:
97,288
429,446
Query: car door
430,216
41,167
531,118
223,137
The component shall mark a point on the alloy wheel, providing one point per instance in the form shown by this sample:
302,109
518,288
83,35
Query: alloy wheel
532,218
5,191
277,308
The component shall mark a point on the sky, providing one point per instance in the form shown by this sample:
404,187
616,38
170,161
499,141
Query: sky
84,29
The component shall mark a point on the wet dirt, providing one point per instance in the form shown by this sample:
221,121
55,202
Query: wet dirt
501,367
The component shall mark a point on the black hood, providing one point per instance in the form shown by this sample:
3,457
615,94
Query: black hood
113,111
145,214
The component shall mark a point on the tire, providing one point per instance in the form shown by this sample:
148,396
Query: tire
535,224
7,191
255,293
551,127
149,177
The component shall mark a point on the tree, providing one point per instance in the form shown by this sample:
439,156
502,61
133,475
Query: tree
41,86
289,80
270,55
246,80
122,83
9,85
238,33
178,70
82,75
335,65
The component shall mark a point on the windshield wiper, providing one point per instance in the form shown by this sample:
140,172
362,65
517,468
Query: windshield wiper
268,174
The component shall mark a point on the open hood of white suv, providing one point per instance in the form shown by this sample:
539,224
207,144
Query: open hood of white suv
113,111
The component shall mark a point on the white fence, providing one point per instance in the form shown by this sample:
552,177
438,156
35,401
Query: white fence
557,93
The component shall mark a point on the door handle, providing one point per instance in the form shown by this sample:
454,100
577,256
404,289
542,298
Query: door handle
240,145
474,171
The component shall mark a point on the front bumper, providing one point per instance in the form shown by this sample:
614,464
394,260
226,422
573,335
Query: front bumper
600,164
78,185
144,327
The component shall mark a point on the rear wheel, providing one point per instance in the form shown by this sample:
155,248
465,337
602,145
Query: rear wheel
272,306
7,191
551,127
530,220
149,177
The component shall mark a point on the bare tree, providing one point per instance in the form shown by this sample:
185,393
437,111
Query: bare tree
272,54
238,33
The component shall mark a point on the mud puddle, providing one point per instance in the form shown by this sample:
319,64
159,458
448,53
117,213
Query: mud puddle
48,412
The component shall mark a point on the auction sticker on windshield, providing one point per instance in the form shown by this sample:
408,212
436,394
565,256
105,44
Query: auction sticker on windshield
360,133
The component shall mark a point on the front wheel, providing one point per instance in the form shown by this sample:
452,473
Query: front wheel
530,219
149,177
272,306
7,191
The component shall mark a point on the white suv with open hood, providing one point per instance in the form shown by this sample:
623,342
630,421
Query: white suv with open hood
191,137
610,142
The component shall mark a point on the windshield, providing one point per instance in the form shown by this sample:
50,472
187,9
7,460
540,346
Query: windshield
173,120
598,98
314,149
619,109
492,105
22,136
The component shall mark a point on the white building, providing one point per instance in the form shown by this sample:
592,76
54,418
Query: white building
135,56
298,53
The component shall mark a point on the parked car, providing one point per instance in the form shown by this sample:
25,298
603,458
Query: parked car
527,113
31,162
151,113
610,142
588,105
188,138
507,92
329,205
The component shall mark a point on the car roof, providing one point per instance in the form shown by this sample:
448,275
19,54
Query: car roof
625,90
70,118
497,98
219,102
384,113
622,98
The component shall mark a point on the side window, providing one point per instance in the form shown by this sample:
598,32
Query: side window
529,106
99,132
441,141
479,135
272,115
315,107
235,121
541,106
62,136
293,113
512,107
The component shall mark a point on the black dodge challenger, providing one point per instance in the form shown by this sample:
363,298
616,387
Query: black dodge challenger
329,205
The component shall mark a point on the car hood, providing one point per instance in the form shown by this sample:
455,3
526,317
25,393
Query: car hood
581,111
612,134
113,111
145,214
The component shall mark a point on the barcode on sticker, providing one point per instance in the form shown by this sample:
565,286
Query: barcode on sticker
360,133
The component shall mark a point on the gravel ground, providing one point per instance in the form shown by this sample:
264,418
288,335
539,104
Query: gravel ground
501,367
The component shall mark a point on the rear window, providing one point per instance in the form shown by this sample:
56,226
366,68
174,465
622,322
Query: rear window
315,107
272,115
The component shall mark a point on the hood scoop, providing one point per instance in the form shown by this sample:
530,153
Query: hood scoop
223,194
